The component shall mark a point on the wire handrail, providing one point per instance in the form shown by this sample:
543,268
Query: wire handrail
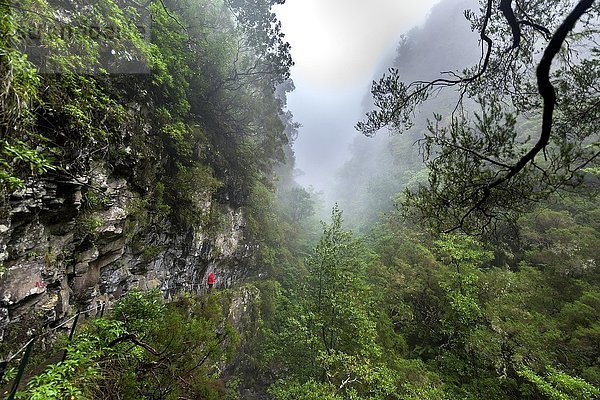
49,331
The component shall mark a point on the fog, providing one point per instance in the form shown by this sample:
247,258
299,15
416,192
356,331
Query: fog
338,46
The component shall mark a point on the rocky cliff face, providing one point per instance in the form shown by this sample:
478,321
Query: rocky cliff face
59,255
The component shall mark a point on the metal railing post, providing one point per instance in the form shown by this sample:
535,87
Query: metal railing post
22,366
64,357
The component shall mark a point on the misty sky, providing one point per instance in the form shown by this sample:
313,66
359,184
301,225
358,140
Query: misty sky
337,46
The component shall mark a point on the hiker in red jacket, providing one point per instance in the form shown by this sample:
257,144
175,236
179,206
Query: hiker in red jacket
211,280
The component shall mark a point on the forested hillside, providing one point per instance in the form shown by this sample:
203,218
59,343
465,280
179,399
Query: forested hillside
138,149
410,312
127,154
381,167
155,245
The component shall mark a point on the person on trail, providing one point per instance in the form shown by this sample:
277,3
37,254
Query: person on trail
211,280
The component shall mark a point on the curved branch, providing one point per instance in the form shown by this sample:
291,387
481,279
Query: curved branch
528,21
506,9
476,154
133,339
537,27
483,66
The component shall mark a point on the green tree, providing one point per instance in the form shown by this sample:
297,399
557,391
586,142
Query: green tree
299,204
534,131
336,292
327,338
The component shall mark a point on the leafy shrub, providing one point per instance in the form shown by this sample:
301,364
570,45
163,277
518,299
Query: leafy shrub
144,349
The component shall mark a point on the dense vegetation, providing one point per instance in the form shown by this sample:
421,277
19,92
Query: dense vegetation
144,349
405,311
405,315
197,120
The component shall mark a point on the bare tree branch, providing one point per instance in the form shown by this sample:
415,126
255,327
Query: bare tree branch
506,9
